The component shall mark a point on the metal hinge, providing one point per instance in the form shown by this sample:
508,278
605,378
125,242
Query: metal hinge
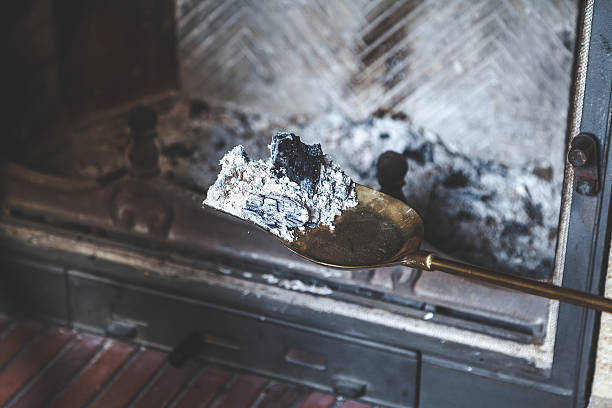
584,157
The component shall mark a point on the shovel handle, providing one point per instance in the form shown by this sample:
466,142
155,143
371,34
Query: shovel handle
432,262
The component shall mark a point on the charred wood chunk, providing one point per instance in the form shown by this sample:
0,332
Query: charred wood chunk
274,211
300,162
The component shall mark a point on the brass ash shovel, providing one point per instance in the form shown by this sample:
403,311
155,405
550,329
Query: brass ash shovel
384,231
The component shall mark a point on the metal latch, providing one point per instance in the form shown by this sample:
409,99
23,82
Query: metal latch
584,157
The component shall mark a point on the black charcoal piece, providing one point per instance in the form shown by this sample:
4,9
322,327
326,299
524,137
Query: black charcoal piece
298,161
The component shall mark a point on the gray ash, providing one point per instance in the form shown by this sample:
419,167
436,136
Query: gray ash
261,192
480,211
477,210
275,210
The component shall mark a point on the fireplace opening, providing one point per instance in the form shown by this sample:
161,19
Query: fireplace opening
482,145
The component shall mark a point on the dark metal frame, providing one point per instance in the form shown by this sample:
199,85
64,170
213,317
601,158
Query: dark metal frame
588,243
363,360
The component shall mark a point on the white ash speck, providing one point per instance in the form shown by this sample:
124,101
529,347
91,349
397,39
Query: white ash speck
300,286
271,279
225,271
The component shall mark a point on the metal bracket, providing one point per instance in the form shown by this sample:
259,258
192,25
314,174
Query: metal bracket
584,157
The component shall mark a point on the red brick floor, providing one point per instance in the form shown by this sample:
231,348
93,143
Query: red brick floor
58,367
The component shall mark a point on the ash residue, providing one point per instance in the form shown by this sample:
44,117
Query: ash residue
263,193
479,211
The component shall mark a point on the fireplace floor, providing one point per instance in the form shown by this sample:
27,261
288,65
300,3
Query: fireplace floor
61,367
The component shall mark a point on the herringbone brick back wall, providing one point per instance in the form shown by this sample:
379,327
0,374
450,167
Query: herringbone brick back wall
492,77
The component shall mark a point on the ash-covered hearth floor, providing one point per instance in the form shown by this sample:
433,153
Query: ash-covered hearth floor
52,366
